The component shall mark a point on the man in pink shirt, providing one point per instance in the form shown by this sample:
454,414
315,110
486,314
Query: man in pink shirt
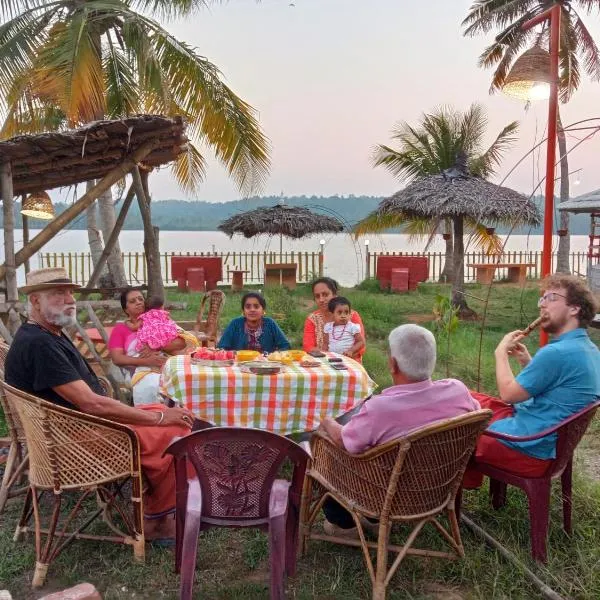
412,402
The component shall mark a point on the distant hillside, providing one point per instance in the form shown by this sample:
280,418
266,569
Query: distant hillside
179,215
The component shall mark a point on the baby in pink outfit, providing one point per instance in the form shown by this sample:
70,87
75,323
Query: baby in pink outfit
158,329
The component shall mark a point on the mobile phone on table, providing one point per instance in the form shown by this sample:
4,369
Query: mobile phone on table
317,353
339,366
335,359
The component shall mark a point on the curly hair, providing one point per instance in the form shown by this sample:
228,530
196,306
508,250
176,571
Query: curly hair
578,294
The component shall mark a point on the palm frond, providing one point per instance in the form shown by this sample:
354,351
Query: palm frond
122,96
220,118
486,242
587,44
485,165
485,15
375,223
569,73
20,41
170,9
69,68
189,169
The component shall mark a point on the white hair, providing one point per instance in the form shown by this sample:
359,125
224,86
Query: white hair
414,351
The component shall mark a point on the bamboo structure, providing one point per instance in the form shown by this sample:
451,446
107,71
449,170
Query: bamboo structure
105,151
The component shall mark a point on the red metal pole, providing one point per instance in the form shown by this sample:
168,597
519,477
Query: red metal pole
554,15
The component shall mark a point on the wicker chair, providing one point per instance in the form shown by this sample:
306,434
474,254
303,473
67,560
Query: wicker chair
411,480
207,330
71,451
17,460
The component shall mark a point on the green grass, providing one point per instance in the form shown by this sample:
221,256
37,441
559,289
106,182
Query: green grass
234,564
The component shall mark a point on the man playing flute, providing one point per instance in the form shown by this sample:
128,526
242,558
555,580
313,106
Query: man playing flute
561,379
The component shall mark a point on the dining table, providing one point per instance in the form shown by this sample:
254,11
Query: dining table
295,400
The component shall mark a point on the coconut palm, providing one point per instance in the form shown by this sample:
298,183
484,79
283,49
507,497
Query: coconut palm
66,62
430,148
578,51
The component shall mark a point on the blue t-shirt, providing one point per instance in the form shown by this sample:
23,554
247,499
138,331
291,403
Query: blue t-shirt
561,379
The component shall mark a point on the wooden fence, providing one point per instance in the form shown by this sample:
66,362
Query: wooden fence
578,262
79,264
310,264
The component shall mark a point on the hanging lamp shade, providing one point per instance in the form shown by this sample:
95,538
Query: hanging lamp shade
529,78
38,205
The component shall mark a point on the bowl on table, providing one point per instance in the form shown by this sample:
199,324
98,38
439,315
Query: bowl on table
262,367
281,356
247,355
297,355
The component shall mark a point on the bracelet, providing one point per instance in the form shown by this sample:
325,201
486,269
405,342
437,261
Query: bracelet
160,419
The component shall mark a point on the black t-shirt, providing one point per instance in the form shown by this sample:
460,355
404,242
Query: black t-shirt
39,360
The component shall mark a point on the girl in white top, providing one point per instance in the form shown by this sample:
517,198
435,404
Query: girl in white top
342,335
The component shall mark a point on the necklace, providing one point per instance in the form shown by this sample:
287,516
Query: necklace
341,334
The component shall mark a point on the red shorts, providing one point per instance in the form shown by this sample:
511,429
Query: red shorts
494,452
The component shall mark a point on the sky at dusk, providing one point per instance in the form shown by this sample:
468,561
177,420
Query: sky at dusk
330,78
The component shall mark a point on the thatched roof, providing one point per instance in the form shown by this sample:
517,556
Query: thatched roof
586,203
453,194
49,160
281,219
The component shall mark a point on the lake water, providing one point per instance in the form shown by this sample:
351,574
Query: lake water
344,256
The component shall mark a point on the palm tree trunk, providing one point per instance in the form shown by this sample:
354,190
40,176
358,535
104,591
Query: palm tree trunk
155,282
107,221
95,239
447,274
564,241
458,283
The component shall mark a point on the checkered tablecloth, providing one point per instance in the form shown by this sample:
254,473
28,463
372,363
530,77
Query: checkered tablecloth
295,400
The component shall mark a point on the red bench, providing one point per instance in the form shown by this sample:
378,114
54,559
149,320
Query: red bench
213,272
418,269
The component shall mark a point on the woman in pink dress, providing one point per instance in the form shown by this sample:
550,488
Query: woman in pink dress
144,366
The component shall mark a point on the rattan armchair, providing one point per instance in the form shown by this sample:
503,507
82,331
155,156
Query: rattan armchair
71,451
17,460
206,330
411,480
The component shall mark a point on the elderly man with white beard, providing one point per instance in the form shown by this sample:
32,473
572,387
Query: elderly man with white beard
43,361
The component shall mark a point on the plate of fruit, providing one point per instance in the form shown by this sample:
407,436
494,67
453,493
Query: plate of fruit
211,357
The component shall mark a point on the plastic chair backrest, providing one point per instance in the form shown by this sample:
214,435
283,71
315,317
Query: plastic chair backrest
236,469
569,436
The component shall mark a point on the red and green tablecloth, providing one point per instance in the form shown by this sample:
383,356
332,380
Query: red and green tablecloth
296,399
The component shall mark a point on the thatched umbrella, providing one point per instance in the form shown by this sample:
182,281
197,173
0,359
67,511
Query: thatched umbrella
456,194
282,220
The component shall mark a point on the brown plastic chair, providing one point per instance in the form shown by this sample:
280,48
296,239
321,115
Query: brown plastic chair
411,480
570,431
236,486
207,330
71,451
17,460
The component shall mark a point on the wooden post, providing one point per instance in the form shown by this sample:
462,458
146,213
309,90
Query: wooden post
62,220
10,271
25,220
114,236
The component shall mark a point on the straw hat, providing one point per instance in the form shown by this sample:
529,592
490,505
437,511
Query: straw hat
46,279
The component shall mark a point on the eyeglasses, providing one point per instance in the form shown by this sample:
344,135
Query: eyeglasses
550,297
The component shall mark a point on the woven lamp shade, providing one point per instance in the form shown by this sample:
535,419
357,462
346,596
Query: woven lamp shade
38,205
529,78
